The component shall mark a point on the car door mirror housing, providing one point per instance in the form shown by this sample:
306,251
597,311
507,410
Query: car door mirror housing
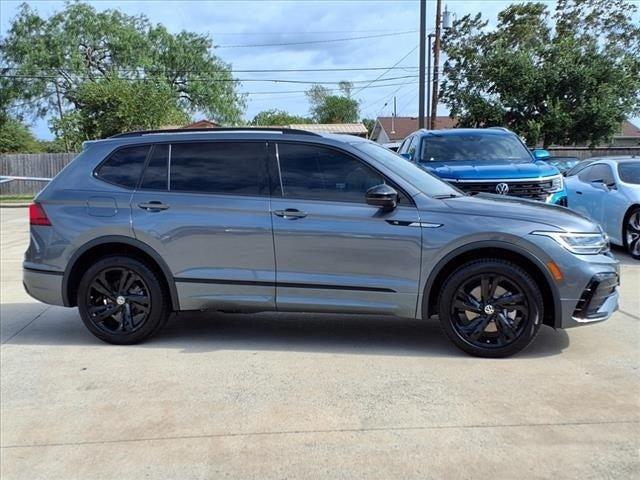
406,155
600,185
382,196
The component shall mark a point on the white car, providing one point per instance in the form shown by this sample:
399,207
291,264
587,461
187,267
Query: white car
608,191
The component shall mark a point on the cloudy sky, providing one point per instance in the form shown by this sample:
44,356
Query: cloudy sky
302,34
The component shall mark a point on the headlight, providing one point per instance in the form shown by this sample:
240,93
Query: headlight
580,243
557,184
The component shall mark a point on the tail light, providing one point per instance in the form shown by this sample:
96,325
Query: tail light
37,215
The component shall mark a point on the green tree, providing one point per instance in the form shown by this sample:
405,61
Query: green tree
327,108
277,117
369,123
46,63
114,105
15,137
574,83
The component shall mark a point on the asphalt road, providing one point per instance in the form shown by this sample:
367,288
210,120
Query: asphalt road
300,396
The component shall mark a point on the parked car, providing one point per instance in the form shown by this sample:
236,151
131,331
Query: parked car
608,191
563,164
489,160
143,224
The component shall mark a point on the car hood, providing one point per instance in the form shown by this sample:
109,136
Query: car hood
489,169
498,206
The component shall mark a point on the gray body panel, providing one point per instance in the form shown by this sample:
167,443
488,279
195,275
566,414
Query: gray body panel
232,253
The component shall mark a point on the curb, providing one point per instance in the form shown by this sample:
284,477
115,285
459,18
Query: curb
13,205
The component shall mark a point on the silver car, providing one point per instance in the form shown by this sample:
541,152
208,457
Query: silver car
144,224
608,191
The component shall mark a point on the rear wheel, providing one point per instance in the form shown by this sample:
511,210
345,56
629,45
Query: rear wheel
122,301
490,308
632,233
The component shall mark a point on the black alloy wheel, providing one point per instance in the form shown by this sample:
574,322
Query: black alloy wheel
122,301
490,308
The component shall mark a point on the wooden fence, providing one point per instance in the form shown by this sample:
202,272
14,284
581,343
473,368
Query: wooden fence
49,164
30,165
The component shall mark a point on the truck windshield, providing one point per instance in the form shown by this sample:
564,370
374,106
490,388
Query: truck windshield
416,176
452,148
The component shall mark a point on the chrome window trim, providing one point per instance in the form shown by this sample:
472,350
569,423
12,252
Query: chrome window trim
503,180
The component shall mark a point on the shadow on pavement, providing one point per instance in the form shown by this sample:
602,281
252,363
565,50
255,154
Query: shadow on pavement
345,334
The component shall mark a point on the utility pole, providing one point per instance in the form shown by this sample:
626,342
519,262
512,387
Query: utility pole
436,62
430,51
66,143
423,34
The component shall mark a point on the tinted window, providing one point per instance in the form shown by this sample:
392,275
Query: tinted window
461,147
409,172
411,150
579,167
124,166
318,173
597,173
629,172
156,175
218,167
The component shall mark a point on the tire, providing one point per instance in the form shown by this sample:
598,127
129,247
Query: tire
122,301
631,232
490,308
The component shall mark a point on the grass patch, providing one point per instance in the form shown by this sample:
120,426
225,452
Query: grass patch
15,198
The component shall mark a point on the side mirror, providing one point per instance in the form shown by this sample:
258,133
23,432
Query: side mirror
382,196
600,185
406,155
541,154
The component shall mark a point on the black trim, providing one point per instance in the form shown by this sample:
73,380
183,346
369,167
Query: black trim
281,284
45,272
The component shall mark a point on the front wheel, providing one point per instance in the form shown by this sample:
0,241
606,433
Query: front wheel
632,233
122,301
490,308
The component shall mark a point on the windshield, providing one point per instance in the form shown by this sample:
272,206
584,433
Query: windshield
423,181
629,172
453,148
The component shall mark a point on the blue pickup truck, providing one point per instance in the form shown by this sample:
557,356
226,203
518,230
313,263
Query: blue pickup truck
486,160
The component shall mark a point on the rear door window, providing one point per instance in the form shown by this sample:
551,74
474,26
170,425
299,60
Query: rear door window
228,168
156,175
124,166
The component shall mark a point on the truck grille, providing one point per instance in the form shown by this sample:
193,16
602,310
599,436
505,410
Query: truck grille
533,189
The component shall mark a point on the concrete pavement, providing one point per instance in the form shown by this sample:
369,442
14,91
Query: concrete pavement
303,396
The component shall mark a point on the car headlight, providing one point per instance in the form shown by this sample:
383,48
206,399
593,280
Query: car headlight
557,184
580,243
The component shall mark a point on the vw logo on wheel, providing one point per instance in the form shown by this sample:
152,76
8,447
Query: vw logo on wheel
502,189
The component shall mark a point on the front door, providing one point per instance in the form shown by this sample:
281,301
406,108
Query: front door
334,252
204,207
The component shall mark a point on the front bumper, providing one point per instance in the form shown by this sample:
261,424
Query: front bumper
598,301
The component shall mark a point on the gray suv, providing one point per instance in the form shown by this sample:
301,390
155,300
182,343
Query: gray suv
148,223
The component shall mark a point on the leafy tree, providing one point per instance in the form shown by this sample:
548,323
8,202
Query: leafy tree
114,105
45,63
369,123
277,117
327,108
574,83
15,137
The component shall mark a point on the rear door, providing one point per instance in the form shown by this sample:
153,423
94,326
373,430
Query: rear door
334,252
204,207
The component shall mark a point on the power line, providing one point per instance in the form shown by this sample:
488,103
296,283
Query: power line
257,70
221,80
311,42
387,71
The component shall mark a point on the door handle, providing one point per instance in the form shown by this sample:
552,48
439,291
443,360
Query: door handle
290,213
153,206
578,192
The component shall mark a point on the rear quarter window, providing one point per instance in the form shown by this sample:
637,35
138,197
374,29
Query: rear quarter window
124,166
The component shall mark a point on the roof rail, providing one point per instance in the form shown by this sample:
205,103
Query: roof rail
140,133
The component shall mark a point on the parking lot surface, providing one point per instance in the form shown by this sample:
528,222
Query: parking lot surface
304,396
